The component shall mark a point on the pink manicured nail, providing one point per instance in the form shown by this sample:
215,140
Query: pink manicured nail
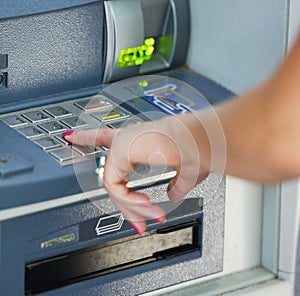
136,229
67,133
159,220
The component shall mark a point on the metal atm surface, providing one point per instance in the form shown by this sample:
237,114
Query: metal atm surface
44,205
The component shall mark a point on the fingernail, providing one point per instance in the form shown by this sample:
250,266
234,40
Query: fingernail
136,229
158,220
67,133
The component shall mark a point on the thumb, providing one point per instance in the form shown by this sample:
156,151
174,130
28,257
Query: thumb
179,187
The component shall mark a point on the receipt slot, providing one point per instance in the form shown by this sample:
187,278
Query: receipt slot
60,234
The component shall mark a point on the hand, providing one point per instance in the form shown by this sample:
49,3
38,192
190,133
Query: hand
167,142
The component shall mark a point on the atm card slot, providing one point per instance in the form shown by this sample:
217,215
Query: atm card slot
112,256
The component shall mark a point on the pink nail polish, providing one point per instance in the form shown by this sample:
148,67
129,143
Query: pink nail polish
158,220
136,229
67,133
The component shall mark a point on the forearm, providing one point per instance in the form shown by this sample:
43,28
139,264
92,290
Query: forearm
255,136
250,137
261,140
262,127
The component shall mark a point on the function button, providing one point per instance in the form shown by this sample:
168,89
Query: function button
30,132
58,111
52,127
48,143
74,122
116,124
93,103
104,149
36,116
123,123
86,150
115,114
63,154
14,121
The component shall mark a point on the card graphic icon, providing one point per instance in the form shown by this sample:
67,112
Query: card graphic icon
109,224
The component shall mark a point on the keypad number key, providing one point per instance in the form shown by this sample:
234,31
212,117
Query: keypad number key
58,111
74,122
86,150
48,143
52,127
63,154
36,116
14,121
30,132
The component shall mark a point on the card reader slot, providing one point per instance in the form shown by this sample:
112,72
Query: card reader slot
112,256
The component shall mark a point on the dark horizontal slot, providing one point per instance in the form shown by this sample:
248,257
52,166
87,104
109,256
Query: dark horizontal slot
177,227
169,254
106,258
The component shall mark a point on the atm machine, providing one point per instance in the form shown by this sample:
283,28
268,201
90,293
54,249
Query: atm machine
85,64
92,63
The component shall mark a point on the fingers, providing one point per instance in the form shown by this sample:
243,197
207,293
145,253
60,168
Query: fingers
93,137
142,144
136,212
135,206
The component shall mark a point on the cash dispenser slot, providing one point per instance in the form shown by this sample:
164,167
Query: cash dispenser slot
160,244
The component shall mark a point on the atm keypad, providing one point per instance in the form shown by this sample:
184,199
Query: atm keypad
44,125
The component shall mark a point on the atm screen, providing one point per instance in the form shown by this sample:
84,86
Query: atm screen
137,55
